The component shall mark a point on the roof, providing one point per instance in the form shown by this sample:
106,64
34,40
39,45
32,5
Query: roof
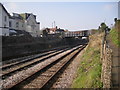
26,15
60,30
52,29
5,9
16,16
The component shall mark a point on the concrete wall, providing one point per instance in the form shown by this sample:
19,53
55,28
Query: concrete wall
106,59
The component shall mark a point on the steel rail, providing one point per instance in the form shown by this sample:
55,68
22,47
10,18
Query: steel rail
16,83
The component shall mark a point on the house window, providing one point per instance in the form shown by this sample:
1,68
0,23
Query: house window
17,24
5,18
10,24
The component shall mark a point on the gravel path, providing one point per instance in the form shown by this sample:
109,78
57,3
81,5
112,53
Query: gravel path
66,79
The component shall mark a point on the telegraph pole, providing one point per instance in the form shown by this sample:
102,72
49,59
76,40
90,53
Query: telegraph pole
54,24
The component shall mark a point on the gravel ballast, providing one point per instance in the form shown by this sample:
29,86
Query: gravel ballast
22,75
65,80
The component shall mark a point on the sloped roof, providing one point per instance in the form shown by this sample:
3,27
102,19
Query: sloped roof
26,15
60,30
16,17
52,29
5,9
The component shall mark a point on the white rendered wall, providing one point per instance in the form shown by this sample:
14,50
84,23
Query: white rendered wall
0,20
5,31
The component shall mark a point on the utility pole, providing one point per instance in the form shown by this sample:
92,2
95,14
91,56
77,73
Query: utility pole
54,24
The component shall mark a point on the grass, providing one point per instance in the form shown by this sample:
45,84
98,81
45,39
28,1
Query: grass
114,37
89,71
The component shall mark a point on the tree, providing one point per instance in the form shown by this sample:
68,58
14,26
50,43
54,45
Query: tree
103,26
99,28
45,32
115,20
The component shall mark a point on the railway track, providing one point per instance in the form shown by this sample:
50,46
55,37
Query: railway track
44,52
24,59
41,74
9,70
13,62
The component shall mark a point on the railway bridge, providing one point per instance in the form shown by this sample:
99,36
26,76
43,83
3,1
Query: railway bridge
79,34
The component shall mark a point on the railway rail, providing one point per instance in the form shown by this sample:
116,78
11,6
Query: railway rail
42,73
10,69
31,56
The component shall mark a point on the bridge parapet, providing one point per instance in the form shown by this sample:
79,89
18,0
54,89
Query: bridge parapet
77,34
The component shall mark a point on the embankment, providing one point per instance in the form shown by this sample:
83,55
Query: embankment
95,67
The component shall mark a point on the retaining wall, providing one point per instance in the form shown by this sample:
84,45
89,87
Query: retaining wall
106,59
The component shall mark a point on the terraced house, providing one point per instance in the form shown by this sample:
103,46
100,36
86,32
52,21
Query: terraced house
17,23
31,25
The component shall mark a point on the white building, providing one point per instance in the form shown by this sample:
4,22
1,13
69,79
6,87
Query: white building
31,25
4,21
16,22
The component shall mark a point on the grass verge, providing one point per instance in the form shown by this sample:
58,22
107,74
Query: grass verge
114,37
89,71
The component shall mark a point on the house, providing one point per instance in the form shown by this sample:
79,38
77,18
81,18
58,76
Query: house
31,25
48,31
16,23
59,30
4,21
52,30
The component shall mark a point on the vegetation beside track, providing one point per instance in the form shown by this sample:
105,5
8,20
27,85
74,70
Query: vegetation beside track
89,71
114,34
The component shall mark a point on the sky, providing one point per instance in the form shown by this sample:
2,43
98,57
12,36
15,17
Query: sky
73,16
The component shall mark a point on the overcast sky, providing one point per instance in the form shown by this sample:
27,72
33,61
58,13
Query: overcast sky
68,15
